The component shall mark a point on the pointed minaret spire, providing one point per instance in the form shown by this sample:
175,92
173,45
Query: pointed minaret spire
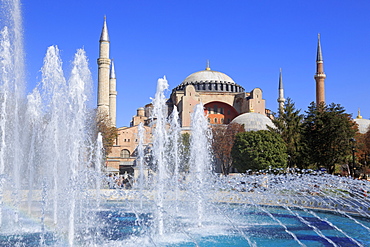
112,96
320,75
281,80
103,72
281,99
104,33
112,71
207,66
319,52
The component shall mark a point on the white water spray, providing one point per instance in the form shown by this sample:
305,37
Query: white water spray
173,147
200,159
46,138
159,118
140,161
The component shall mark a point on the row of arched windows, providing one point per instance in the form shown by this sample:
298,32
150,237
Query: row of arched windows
218,121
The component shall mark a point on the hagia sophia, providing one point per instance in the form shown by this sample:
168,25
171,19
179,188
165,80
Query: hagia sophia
224,102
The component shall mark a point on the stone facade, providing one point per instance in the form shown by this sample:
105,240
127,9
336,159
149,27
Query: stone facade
124,152
222,98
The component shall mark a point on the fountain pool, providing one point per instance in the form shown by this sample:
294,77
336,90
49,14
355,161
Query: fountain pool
52,189
122,220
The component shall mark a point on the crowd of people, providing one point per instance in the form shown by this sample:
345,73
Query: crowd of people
115,181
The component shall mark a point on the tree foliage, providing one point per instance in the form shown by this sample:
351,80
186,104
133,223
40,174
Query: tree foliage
362,148
223,141
256,150
108,132
327,131
288,124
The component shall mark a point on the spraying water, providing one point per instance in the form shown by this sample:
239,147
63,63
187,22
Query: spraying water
200,159
174,152
159,148
140,161
46,139
50,167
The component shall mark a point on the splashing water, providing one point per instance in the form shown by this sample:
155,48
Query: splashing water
50,176
200,159
140,161
47,146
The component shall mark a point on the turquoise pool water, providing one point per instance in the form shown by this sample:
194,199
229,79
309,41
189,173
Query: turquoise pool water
233,225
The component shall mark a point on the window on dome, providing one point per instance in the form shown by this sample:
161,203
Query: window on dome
215,120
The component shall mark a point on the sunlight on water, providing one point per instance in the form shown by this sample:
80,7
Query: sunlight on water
53,191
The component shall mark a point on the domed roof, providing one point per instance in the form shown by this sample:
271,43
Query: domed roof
253,121
208,75
210,81
363,124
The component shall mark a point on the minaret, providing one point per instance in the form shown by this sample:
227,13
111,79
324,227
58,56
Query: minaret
281,99
112,96
320,75
103,71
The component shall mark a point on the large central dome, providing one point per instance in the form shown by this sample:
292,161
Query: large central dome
210,80
208,76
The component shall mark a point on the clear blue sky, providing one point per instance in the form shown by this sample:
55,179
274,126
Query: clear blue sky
247,40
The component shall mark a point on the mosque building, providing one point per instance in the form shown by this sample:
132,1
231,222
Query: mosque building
224,102
363,124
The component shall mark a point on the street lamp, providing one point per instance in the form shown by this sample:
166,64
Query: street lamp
352,170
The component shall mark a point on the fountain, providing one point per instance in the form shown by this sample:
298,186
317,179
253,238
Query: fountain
51,191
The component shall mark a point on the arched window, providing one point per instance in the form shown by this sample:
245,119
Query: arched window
125,153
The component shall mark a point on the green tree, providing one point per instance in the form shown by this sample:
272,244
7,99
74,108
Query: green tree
223,140
256,150
327,131
288,124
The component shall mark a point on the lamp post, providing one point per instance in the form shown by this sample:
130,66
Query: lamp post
352,170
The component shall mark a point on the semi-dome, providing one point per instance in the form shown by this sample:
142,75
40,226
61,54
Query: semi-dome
253,121
210,80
